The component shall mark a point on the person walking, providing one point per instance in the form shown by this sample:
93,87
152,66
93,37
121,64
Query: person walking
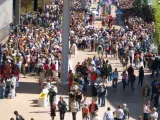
53,110
124,79
74,109
100,50
94,90
146,93
108,115
133,79
153,85
18,117
130,73
154,114
2,88
13,87
146,110
79,98
126,112
119,113
115,76
141,76
62,108
52,95
93,107
156,96
104,95
109,71
85,112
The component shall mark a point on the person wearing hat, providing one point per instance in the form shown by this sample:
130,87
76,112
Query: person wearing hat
126,112
52,95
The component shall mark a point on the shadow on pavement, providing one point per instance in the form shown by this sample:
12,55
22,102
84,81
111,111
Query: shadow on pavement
28,88
133,100
41,112
35,101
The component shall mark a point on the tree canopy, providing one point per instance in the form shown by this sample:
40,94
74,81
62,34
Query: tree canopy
156,6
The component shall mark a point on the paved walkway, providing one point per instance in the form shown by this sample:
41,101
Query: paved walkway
27,96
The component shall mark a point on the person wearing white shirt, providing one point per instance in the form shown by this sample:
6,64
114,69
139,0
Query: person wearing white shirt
13,87
85,102
119,113
108,115
154,114
48,85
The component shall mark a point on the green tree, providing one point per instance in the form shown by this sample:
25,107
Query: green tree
26,5
156,6
138,4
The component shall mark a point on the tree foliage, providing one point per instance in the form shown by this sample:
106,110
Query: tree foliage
138,4
27,5
156,6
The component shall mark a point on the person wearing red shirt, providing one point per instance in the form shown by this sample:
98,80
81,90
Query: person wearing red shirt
70,79
53,67
93,77
46,67
93,107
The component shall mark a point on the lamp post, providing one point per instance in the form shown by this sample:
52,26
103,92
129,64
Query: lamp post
65,40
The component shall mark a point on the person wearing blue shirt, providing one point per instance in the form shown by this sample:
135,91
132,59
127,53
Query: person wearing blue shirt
153,85
115,77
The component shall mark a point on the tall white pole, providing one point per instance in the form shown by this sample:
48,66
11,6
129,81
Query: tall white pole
65,40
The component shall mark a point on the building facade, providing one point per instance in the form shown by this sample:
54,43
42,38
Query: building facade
6,17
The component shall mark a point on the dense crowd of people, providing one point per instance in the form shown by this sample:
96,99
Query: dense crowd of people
35,47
